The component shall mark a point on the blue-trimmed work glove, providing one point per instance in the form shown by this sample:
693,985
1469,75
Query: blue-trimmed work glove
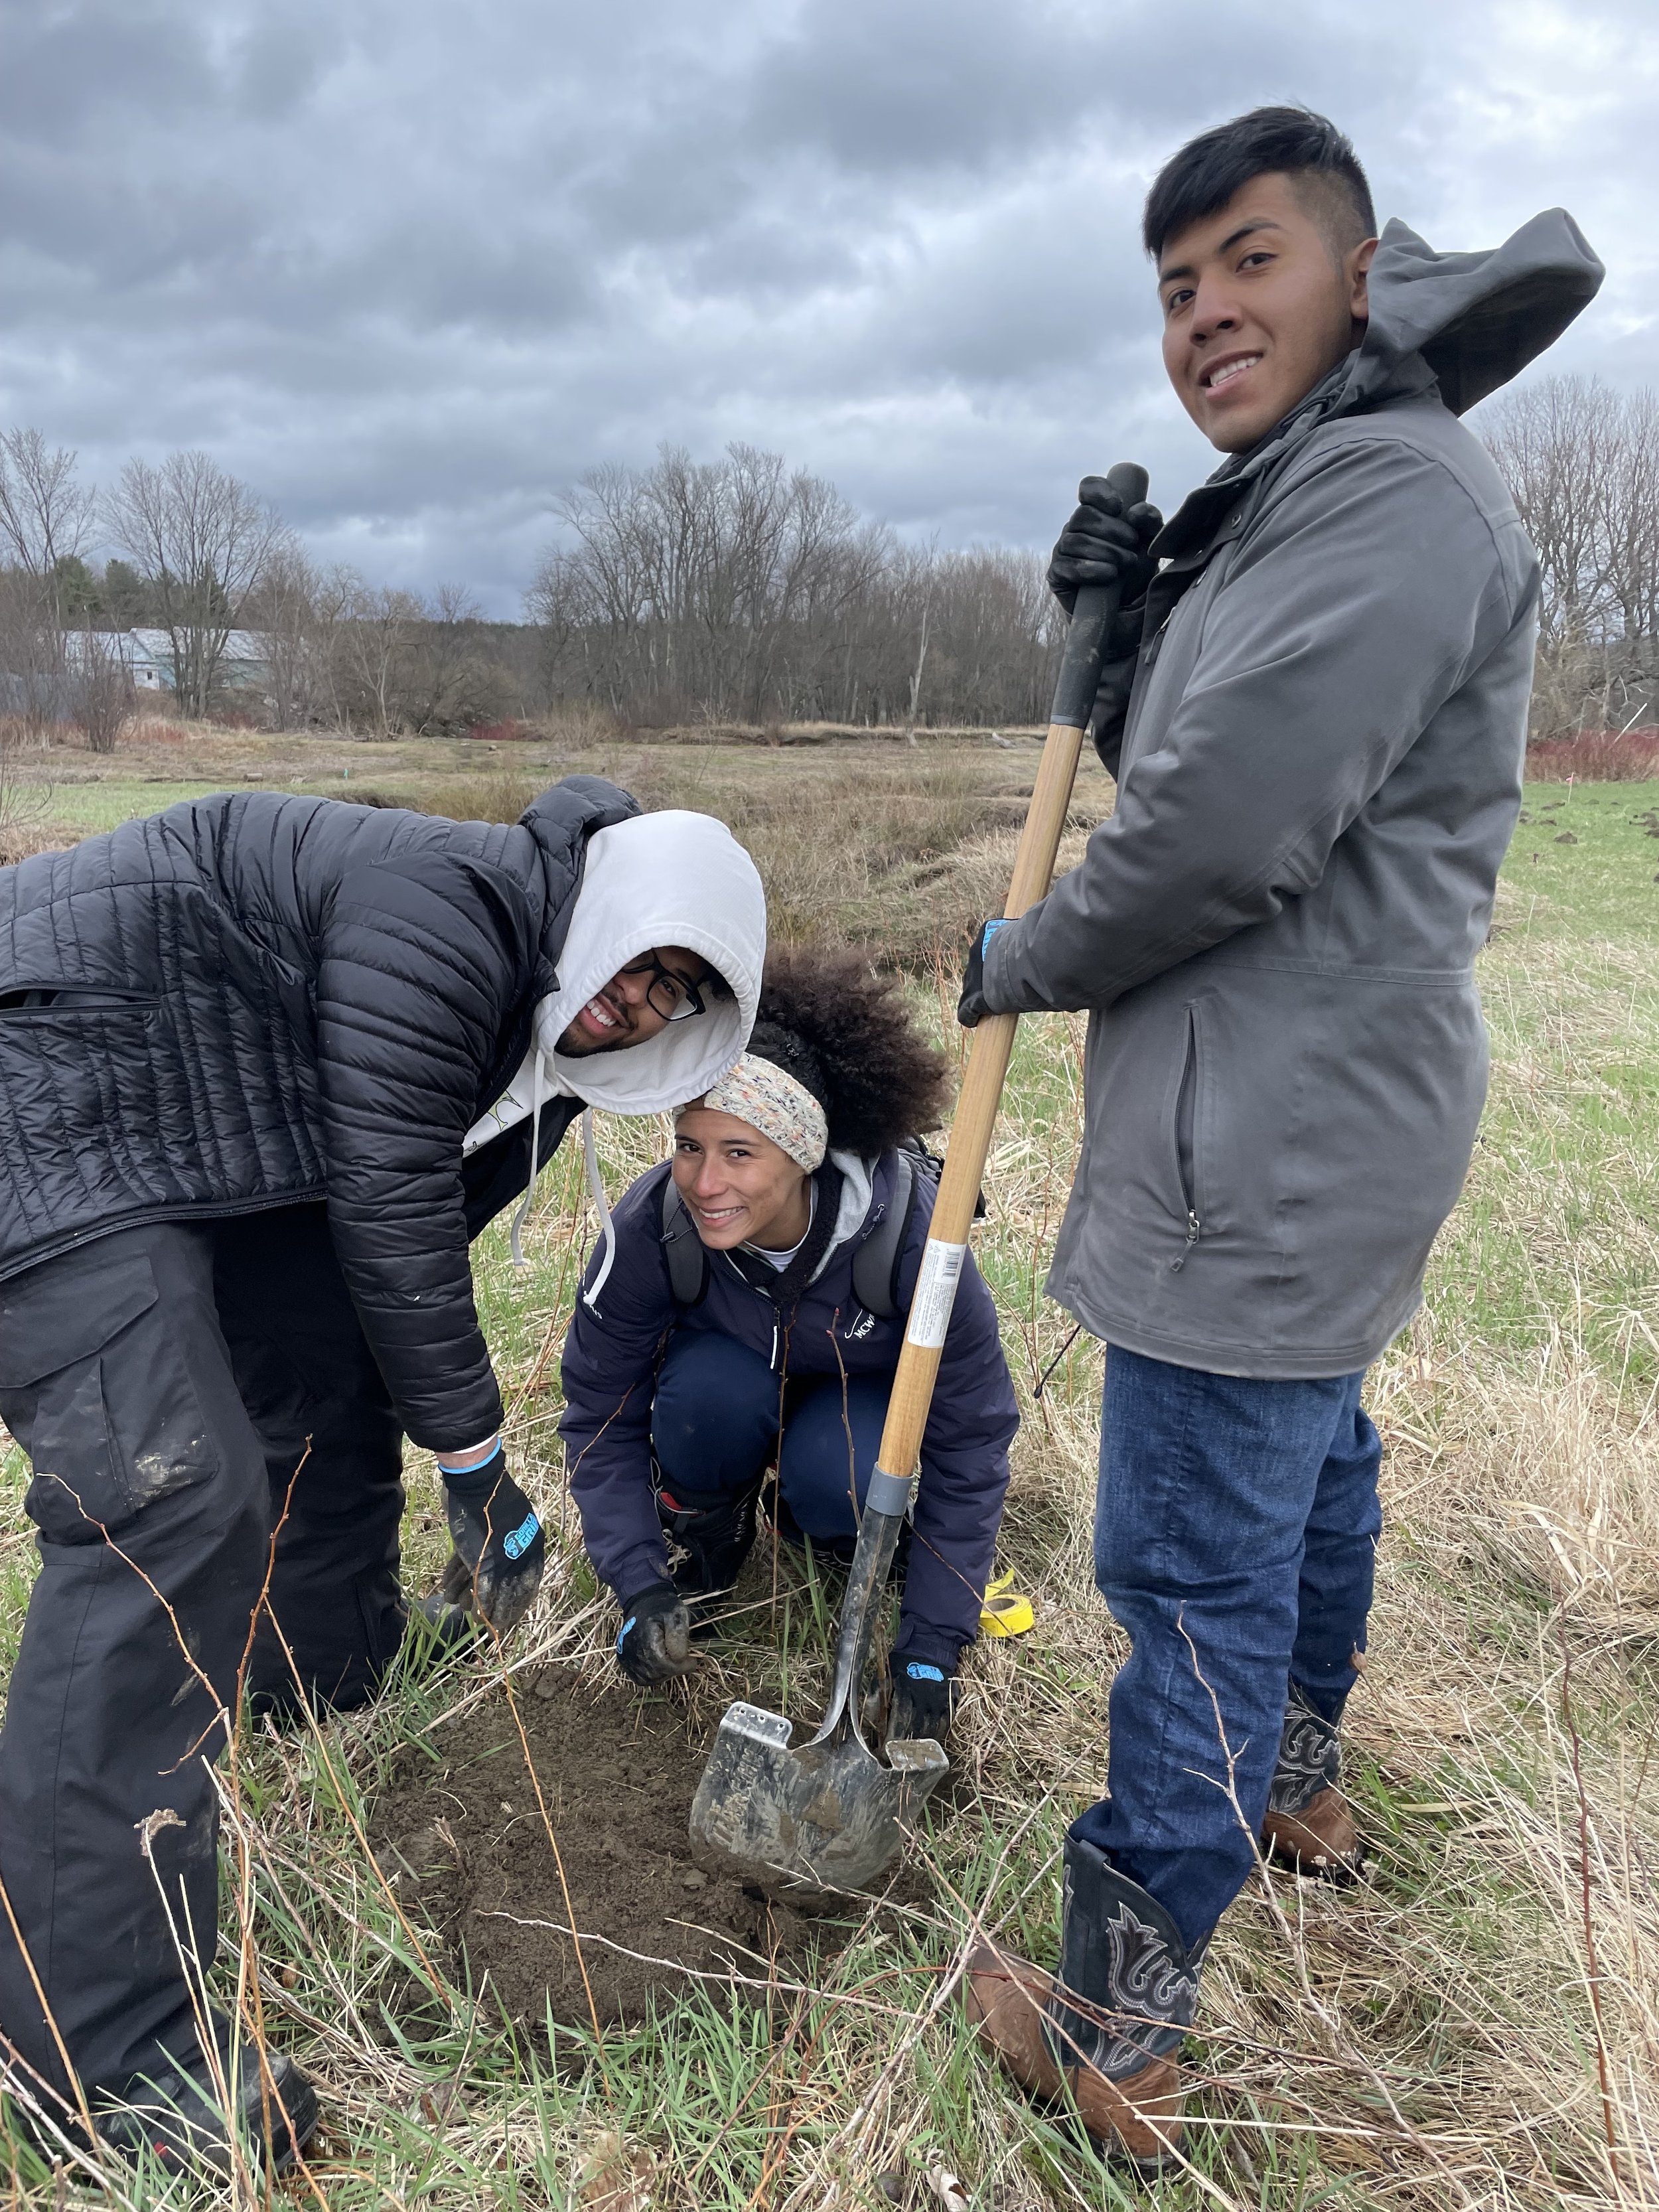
653,1644
923,1701
971,1007
500,1547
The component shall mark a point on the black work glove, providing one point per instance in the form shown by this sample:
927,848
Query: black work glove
499,1549
654,1642
971,1008
1103,544
924,1698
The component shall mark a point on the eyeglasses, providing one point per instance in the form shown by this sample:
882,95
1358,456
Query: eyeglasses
667,994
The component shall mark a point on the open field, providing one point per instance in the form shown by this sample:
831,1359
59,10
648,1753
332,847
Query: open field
923,855
1477,2027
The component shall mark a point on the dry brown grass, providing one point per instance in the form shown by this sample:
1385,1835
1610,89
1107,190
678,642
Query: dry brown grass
1475,2026
871,843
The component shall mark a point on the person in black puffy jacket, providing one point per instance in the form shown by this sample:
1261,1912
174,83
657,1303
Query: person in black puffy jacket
267,1064
742,1326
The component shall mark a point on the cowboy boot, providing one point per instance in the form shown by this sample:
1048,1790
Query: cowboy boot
1106,2030
1308,1827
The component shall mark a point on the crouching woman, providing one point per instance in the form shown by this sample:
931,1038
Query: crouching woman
749,1318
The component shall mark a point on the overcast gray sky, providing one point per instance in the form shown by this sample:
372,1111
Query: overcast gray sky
409,266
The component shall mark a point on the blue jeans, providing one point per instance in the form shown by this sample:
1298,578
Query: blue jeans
715,1426
1236,1533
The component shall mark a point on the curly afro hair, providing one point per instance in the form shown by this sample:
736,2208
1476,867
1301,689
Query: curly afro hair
846,1033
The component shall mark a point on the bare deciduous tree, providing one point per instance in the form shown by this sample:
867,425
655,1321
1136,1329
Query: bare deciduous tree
45,521
451,680
295,611
371,644
206,541
46,514
99,688
1582,463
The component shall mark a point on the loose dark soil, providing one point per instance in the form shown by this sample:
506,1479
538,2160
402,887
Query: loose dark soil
461,1836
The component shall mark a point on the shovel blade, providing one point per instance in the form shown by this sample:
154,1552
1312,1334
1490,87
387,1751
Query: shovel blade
798,1824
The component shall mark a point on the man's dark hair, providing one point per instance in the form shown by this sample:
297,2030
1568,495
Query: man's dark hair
1321,164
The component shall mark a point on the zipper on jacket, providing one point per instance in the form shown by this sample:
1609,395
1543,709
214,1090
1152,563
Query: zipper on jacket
1185,1118
759,1291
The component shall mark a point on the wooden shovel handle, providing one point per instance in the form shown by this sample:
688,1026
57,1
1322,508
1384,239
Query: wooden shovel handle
993,1041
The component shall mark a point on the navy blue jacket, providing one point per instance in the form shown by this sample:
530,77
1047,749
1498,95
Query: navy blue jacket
609,1367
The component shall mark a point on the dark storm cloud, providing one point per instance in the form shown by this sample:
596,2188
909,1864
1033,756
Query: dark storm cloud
411,268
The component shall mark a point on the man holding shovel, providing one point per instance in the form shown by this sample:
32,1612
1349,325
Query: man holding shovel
1316,710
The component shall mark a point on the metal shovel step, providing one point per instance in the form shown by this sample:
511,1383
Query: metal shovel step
830,1816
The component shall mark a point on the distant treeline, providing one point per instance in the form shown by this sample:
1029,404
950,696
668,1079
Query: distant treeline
731,591
745,591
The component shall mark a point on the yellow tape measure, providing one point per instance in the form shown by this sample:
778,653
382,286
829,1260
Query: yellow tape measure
1005,1612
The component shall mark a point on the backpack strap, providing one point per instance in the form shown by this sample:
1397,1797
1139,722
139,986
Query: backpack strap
876,1262
682,1249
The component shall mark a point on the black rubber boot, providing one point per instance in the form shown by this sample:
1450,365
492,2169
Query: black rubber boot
712,1536
174,2117
1122,1954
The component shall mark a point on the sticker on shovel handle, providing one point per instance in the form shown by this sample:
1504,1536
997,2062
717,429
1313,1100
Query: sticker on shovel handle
936,1293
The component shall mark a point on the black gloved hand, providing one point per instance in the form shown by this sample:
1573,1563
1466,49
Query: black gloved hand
971,1008
924,1698
654,1642
499,1549
1103,544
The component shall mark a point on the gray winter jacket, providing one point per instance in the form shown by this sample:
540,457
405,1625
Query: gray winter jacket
1317,777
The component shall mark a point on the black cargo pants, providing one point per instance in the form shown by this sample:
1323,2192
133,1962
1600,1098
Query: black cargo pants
166,1382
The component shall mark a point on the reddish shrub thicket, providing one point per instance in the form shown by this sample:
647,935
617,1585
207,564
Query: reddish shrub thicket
1596,756
496,733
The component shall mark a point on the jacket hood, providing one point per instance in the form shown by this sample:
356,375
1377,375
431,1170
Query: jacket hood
668,879
858,1192
560,820
1471,320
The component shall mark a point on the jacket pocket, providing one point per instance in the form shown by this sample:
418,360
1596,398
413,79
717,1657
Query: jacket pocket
68,1002
1184,1134
95,1386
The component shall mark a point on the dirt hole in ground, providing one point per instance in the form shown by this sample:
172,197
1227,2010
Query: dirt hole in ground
463,1839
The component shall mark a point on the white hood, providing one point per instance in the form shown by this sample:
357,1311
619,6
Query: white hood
669,879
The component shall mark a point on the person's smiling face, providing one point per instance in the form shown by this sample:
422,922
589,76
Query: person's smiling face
622,1013
1258,306
740,1187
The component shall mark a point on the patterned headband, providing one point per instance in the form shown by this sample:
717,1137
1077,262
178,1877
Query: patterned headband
769,1099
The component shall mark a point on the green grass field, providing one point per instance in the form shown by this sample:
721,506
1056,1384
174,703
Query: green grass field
1475,2027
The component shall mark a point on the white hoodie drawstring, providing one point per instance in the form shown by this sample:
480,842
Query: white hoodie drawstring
523,1214
596,1184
